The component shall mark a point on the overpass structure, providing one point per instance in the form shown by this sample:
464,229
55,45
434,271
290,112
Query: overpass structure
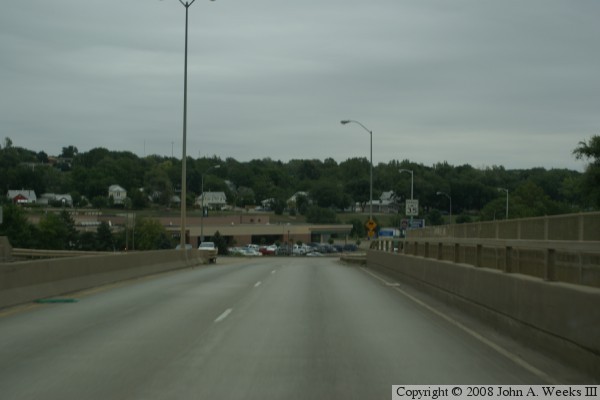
242,229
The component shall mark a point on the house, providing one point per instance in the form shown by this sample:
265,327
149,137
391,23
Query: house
53,198
266,204
22,196
117,193
292,202
387,203
295,197
212,200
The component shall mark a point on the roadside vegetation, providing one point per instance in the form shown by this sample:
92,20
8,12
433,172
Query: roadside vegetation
336,192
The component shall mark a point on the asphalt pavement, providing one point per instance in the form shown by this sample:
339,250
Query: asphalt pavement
261,328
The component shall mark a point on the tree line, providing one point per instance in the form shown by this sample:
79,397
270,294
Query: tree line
154,181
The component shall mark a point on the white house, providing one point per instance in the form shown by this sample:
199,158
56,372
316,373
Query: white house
48,198
117,193
387,203
212,200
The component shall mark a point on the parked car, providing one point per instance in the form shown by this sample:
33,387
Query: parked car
251,251
284,250
268,250
209,251
350,247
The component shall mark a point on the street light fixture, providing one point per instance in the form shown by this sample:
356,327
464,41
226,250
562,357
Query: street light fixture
449,198
347,121
505,190
182,241
202,201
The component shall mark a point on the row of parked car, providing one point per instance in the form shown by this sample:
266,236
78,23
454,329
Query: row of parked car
310,250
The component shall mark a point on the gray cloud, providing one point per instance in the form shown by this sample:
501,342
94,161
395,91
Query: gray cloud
483,82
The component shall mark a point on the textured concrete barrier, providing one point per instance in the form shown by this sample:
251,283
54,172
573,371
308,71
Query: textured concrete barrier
555,317
22,282
5,249
353,258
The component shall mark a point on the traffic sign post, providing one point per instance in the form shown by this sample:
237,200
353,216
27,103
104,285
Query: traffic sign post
371,225
412,208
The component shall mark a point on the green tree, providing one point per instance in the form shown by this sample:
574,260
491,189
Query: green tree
20,232
528,200
139,199
104,237
302,204
320,215
590,150
278,206
99,202
220,243
358,228
434,218
151,235
245,196
328,194
69,152
42,157
87,241
57,231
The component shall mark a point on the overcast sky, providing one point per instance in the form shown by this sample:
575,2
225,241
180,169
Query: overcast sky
514,83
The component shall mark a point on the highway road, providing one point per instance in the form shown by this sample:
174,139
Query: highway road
261,328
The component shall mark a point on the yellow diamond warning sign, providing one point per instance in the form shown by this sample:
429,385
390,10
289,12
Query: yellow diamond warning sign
371,225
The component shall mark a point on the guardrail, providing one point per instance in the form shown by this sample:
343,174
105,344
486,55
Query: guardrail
576,262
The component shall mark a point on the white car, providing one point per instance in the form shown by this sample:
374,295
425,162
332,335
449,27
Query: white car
209,250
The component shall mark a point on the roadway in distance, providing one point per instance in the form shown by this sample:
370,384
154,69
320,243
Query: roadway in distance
261,328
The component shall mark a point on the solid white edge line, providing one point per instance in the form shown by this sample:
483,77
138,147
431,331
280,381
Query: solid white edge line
224,315
514,358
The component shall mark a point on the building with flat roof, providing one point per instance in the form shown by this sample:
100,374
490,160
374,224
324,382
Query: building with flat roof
245,229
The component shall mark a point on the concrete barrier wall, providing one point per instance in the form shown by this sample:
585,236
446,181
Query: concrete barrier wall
560,317
564,261
22,282
5,249
579,227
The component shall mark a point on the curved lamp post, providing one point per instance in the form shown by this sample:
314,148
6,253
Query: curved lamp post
347,121
182,241
202,202
449,198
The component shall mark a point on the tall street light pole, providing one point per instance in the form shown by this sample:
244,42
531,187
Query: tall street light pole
347,121
182,241
449,198
202,202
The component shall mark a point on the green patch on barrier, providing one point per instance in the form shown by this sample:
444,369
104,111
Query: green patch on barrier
50,301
